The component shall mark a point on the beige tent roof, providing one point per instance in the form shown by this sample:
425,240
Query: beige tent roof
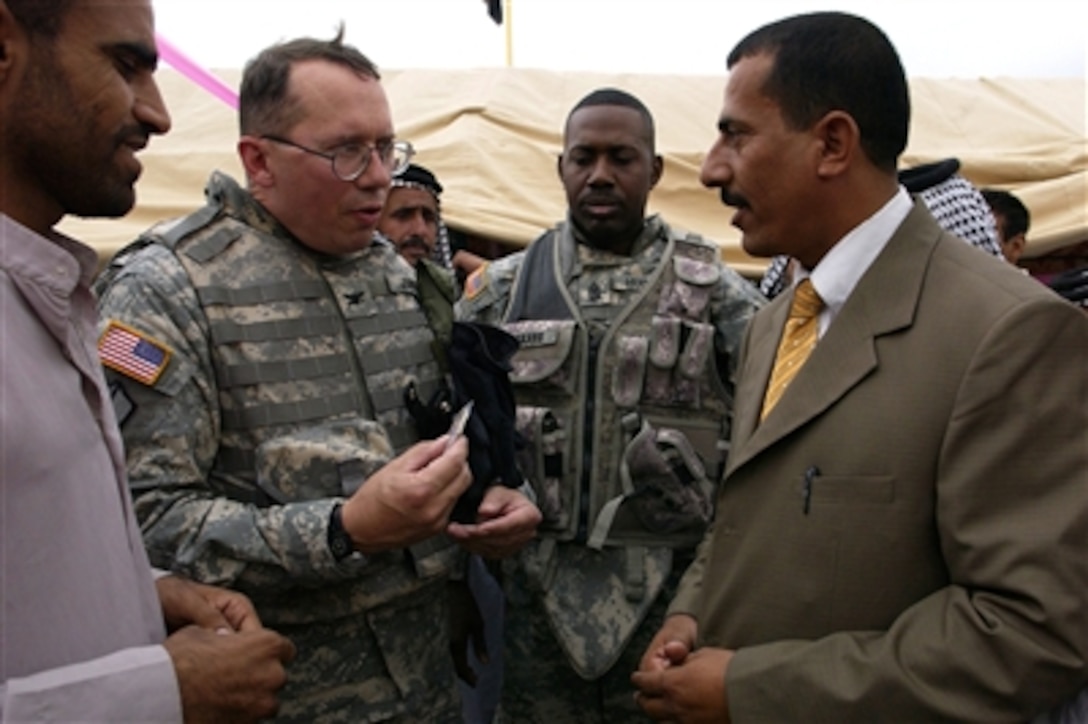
492,136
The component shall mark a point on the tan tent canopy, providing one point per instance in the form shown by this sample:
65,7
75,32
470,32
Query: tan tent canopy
492,136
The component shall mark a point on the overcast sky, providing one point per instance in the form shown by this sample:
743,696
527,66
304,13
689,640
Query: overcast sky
936,38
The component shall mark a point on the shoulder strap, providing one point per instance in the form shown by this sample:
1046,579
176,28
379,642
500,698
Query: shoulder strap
167,234
536,292
172,234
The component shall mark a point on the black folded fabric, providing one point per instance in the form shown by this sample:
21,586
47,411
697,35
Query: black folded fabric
479,357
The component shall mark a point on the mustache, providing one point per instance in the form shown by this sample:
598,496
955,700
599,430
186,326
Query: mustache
732,199
136,134
414,240
600,198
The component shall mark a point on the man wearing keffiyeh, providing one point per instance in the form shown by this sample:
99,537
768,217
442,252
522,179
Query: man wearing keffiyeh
412,221
412,217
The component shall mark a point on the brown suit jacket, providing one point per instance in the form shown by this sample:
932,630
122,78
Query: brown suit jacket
935,564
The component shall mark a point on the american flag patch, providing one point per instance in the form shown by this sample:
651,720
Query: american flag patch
476,281
132,353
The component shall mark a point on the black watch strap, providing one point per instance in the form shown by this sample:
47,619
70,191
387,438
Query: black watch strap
340,543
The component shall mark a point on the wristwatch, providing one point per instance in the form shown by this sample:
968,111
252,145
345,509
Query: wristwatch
340,543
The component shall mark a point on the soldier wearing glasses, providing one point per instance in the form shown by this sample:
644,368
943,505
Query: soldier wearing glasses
258,351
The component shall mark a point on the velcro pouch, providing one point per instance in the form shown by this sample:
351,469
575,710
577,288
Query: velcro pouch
545,354
665,341
692,362
690,291
670,491
630,373
542,460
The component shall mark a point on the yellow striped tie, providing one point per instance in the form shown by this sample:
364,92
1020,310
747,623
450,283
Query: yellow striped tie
798,339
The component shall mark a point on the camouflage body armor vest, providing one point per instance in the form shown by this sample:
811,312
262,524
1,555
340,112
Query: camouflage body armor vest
622,402
309,351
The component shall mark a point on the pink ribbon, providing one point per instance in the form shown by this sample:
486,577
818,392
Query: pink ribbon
187,67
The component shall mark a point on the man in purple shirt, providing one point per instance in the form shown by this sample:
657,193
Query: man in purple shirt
83,628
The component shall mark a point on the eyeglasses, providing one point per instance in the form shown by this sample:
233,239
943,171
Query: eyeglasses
351,160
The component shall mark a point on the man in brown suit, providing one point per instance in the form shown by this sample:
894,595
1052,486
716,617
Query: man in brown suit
903,536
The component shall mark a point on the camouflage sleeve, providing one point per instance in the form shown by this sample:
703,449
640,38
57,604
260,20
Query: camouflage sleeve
487,291
735,302
171,429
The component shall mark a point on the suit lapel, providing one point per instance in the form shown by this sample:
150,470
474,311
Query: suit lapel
761,345
884,301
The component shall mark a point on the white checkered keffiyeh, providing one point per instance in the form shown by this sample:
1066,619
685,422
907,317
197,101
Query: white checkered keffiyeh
961,210
442,253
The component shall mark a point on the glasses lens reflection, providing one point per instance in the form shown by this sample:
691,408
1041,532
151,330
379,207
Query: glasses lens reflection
350,162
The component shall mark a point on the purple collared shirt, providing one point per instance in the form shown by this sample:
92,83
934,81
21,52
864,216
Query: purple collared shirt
81,626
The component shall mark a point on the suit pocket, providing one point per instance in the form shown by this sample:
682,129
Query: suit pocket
848,489
887,551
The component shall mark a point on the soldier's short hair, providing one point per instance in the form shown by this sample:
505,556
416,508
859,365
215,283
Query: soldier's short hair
615,97
264,104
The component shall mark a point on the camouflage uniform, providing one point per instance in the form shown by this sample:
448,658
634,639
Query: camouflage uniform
282,390
623,389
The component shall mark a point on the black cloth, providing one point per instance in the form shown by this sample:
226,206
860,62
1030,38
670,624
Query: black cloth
919,178
479,358
1073,285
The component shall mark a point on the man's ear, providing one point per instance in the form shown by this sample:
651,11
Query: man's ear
658,169
559,167
11,38
838,142
1018,243
251,151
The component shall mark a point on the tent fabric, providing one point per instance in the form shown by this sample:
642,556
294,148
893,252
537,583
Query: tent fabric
492,137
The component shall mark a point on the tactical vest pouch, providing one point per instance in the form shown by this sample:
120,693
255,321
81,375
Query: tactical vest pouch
630,375
681,340
689,293
658,389
665,341
321,461
545,371
692,362
541,460
679,351
666,495
545,356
